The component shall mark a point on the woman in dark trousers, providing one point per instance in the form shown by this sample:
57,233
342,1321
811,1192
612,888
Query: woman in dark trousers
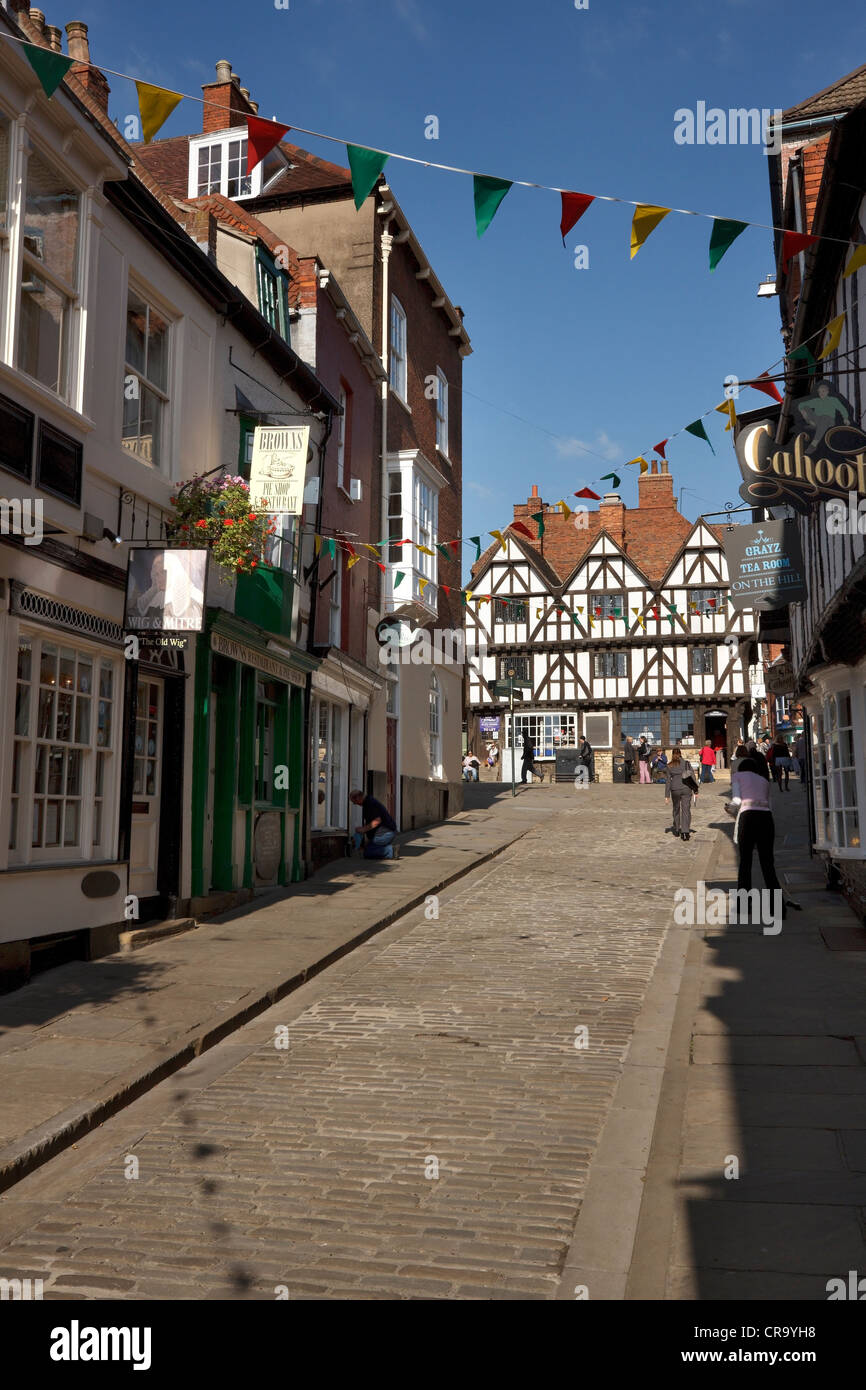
680,794
778,758
629,754
754,828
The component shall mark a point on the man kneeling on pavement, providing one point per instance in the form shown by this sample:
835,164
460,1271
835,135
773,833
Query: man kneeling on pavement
377,824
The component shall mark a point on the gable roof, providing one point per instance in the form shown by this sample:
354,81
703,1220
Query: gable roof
843,95
242,220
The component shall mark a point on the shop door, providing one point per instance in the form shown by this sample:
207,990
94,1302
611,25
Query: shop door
146,786
391,763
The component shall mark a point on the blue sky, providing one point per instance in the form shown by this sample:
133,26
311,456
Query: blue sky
613,357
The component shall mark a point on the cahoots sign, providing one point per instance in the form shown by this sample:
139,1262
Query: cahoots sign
827,457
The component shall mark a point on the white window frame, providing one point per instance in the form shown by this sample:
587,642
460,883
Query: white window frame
342,421
425,531
599,714
548,728
335,600
223,138
442,413
830,804
398,352
333,763
24,853
164,396
435,727
12,264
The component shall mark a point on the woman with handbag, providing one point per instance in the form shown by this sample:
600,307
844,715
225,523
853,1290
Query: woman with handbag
680,786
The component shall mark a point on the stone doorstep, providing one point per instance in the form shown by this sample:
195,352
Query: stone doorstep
145,935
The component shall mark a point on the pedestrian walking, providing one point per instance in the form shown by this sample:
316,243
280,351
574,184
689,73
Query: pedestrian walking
629,758
680,786
739,754
800,755
586,758
528,762
708,762
754,828
644,753
779,761
377,825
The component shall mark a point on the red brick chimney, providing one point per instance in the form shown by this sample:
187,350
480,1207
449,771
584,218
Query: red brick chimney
532,504
611,511
656,488
227,104
91,79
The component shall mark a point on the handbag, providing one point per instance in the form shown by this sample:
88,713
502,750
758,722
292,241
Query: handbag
689,781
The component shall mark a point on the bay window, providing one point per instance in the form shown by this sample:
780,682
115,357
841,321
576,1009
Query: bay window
63,757
426,508
221,167
48,290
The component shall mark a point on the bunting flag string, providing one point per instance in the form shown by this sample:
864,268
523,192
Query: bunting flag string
261,137
366,164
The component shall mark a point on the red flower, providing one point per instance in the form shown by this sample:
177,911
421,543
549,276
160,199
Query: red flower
172,500
228,521
201,524
253,564
184,528
251,517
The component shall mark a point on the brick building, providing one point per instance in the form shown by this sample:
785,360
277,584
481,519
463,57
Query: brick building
414,748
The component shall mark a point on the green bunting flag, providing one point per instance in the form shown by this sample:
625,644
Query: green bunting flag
476,541
538,517
722,237
398,578
332,547
802,354
366,166
443,551
697,429
488,195
613,478
50,67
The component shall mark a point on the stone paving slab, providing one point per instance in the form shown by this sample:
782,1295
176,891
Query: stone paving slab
88,1037
765,1068
432,1129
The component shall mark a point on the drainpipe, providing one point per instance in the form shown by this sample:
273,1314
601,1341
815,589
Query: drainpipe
387,241
306,790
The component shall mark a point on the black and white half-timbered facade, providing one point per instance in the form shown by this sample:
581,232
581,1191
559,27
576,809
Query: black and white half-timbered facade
619,626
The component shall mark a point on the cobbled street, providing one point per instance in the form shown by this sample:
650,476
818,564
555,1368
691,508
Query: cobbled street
428,1130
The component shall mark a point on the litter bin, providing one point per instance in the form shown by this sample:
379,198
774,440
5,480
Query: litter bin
618,767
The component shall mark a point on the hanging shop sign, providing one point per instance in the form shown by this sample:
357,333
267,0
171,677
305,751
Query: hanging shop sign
765,565
165,590
780,680
271,665
826,456
278,468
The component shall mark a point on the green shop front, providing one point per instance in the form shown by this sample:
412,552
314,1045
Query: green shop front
248,768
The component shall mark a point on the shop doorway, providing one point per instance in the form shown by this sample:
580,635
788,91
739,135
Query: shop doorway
716,730
147,786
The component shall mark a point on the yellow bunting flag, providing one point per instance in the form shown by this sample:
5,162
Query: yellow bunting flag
646,219
155,105
642,461
499,536
422,585
566,509
642,623
728,408
373,549
580,610
468,592
539,612
353,560
856,262
424,550
834,328
317,543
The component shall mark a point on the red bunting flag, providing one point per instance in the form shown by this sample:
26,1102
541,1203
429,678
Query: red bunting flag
574,205
455,546
446,588
588,492
660,449
763,383
261,137
381,566
793,243
524,531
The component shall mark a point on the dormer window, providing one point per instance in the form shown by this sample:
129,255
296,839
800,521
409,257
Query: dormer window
218,164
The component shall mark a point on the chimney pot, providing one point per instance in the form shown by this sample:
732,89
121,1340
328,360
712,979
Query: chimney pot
53,35
534,490
254,107
235,79
245,93
77,42
37,19
224,70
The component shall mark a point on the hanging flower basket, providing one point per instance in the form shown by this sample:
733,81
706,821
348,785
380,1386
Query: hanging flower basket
215,512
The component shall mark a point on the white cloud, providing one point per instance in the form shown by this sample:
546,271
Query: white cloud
410,13
602,447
